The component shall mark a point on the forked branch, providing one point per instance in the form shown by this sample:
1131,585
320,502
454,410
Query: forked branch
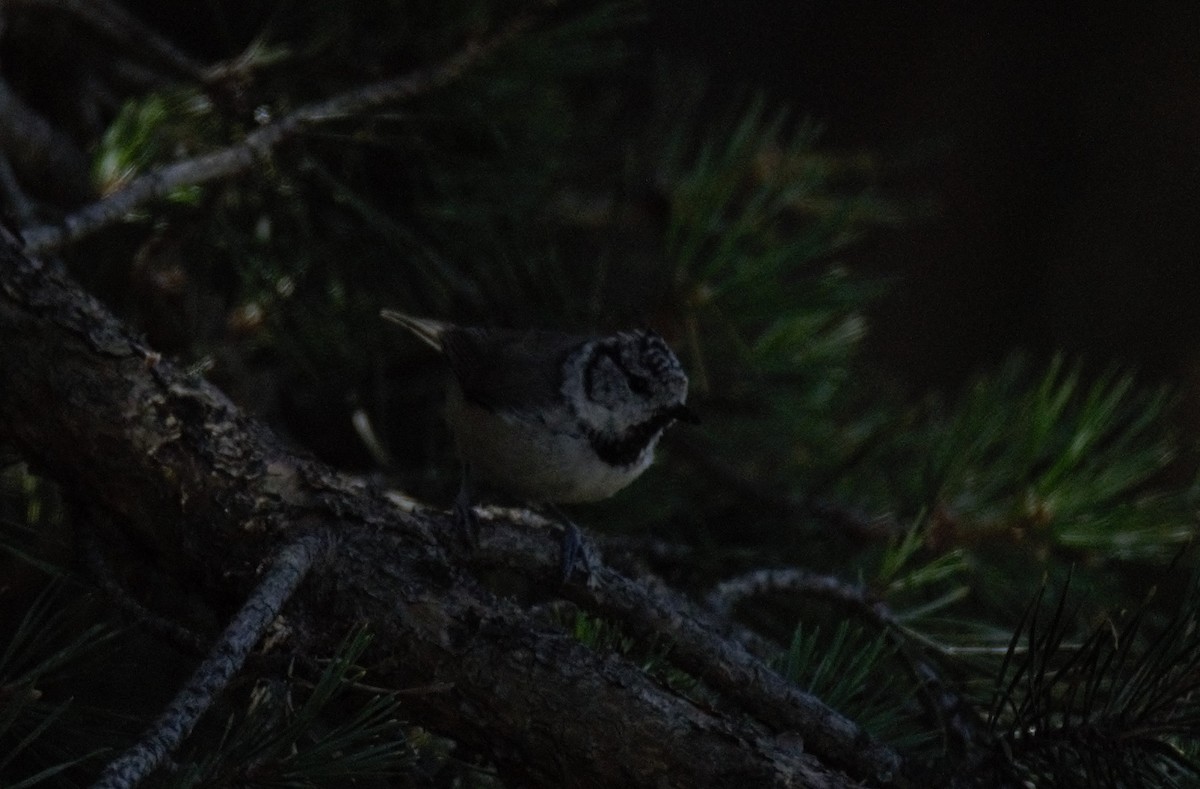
258,145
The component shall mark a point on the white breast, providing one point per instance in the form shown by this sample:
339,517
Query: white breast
542,458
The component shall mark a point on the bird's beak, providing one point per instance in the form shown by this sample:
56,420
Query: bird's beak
684,414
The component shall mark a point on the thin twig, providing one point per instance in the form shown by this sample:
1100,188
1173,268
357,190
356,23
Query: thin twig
725,595
944,703
257,145
213,675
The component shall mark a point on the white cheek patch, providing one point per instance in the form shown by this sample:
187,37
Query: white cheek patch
579,400
596,382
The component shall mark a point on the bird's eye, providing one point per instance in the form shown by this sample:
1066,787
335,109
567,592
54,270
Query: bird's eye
638,385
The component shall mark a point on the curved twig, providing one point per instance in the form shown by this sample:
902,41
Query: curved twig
224,660
943,702
729,593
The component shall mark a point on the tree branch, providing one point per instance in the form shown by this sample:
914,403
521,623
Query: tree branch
214,492
952,711
729,593
257,145
724,664
213,675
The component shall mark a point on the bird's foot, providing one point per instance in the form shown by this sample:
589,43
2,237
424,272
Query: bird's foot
465,519
574,553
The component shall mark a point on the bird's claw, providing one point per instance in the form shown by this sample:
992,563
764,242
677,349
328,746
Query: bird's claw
465,519
574,552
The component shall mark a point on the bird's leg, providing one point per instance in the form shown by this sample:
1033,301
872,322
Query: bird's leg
573,550
464,515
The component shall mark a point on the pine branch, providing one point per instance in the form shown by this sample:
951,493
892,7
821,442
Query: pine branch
258,145
699,647
213,675
155,445
37,653
297,733
726,665
1116,707
945,704
729,593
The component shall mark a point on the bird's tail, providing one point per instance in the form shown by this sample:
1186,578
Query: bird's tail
430,331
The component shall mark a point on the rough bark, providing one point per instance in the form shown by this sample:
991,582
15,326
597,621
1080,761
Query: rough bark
214,494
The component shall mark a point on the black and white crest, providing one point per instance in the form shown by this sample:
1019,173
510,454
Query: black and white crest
625,389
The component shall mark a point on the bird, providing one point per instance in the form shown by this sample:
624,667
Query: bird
551,417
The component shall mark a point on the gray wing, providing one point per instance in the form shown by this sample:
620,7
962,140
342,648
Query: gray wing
504,370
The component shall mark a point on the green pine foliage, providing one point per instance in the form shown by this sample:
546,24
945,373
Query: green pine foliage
654,657
44,730
843,670
1117,706
291,734
1064,460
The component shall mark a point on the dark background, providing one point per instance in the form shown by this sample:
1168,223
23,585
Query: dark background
1058,142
